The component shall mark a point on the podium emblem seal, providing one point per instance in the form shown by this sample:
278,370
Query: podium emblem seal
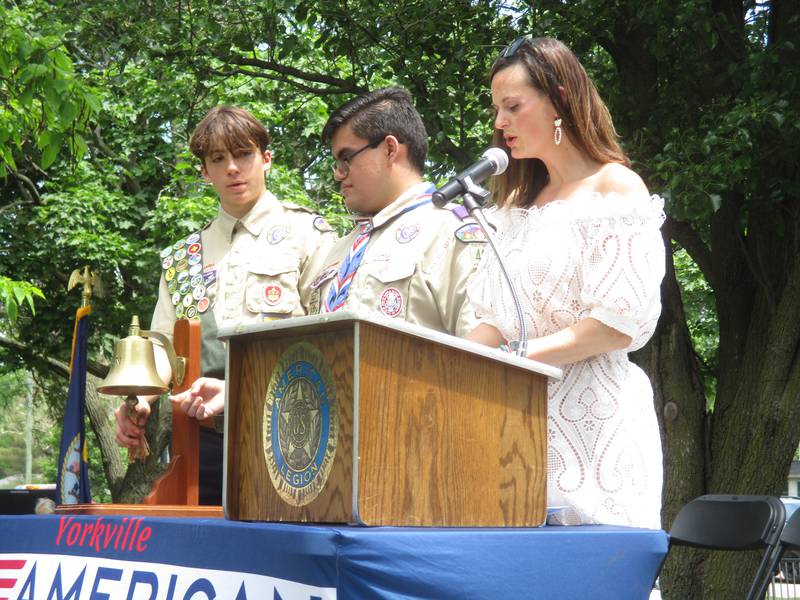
301,423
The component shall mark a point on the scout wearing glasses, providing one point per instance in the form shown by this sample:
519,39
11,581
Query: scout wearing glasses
405,258
250,264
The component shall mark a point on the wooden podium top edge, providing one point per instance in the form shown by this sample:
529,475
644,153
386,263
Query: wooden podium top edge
343,319
141,510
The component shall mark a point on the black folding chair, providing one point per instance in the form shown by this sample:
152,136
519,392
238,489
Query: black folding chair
789,540
724,522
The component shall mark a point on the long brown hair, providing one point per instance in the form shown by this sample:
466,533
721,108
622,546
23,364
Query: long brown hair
584,116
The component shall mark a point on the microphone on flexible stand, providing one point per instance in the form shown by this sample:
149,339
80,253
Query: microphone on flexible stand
493,162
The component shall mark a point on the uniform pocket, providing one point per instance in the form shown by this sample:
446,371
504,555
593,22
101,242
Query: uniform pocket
271,287
388,286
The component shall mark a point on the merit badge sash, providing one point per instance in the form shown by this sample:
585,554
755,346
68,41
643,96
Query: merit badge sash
182,265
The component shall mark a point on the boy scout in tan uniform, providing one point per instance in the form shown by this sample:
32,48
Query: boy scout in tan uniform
246,270
415,267
251,263
416,258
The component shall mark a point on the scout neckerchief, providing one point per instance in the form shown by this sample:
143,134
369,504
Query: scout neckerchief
183,271
340,286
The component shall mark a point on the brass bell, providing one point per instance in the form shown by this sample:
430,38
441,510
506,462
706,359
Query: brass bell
133,367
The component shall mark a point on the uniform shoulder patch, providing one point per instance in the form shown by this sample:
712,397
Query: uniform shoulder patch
470,233
320,224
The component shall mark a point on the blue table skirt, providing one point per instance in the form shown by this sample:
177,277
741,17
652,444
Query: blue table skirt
170,559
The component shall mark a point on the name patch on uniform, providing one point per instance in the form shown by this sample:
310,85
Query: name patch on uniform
406,233
277,234
470,233
301,424
272,294
391,302
326,274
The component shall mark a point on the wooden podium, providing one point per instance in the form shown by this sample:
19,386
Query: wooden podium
351,419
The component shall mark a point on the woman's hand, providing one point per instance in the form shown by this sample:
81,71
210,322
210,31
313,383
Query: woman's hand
583,340
487,335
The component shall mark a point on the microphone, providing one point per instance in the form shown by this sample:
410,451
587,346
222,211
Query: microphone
492,162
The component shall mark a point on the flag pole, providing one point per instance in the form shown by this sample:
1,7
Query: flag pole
72,485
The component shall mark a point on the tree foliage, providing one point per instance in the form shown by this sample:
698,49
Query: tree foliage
44,106
13,293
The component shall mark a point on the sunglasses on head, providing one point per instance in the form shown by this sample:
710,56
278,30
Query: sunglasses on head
514,47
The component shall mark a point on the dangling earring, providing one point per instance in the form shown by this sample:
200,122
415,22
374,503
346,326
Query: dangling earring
558,132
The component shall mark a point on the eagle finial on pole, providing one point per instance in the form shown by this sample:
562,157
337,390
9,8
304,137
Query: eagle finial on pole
90,281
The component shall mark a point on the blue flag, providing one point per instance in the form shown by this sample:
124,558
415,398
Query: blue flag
72,486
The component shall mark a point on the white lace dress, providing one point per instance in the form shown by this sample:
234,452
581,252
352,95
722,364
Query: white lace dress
601,257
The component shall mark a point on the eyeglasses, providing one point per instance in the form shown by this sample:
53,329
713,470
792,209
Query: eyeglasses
514,46
341,166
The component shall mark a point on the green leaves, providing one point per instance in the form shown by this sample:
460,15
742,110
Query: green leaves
49,144
14,293
39,93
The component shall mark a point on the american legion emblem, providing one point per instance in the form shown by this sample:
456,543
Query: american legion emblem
301,423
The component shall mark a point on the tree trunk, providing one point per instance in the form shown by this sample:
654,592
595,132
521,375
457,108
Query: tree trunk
129,484
679,397
101,419
754,432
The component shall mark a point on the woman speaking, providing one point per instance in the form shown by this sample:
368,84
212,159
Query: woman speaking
580,234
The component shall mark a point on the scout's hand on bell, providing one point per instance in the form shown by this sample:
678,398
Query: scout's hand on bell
131,418
205,398
130,432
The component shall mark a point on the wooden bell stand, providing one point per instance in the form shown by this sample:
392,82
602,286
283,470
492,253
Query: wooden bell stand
176,492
